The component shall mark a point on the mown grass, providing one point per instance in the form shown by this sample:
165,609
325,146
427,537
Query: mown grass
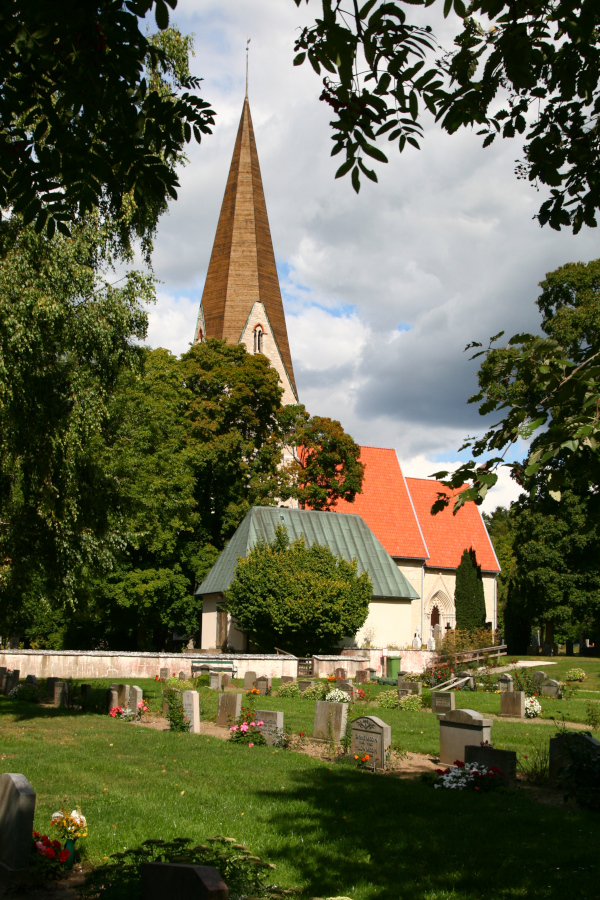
330,829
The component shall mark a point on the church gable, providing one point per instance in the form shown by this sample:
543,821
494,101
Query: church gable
258,336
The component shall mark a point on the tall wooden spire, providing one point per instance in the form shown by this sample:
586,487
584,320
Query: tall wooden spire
242,272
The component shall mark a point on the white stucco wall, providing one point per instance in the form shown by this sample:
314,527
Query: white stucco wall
258,316
388,622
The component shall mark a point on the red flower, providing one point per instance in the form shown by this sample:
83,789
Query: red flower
64,855
46,840
56,845
459,763
50,853
36,835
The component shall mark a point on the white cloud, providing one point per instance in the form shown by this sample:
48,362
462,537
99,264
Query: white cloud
382,290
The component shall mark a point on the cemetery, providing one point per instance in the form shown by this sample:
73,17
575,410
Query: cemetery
292,777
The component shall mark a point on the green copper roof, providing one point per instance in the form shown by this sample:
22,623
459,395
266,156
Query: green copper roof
346,535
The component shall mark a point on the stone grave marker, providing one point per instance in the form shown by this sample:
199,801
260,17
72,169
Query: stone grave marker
2,670
112,699
416,641
551,688
370,735
362,676
191,710
506,683
340,673
225,680
31,679
438,633
61,694
539,678
229,709
123,691
327,712
12,680
17,808
411,687
164,673
512,703
273,724
163,881
303,685
86,690
505,760
214,680
442,701
249,679
50,682
570,650
458,729
263,684
286,679
346,687
136,695
403,693
182,676
469,684
564,746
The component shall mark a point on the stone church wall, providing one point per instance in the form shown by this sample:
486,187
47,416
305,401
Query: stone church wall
258,316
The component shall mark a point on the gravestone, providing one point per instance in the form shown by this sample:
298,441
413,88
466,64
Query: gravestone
86,691
340,673
272,726
303,685
229,709
191,710
438,633
347,688
538,679
442,701
362,676
533,650
31,679
570,650
122,694
416,641
50,682
164,673
505,760
3,678
215,680
469,684
225,680
370,735
165,704
431,639
327,712
61,694
512,703
111,699
506,683
17,808
136,695
182,676
564,746
411,687
458,729
163,881
12,680
249,679
263,684
286,679
403,693
551,688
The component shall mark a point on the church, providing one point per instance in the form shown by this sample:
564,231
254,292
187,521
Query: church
241,303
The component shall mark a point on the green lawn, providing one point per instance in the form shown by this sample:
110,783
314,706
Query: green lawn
329,828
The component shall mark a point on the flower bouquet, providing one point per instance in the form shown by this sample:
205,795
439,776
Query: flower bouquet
532,708
247,729
337,696
50,857
71,825
469,776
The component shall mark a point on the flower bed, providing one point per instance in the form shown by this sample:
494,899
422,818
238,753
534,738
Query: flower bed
337,696
532,707
469,777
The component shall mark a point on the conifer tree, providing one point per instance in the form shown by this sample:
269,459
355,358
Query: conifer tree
469,599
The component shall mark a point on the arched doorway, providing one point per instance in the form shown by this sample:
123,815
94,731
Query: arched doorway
435,617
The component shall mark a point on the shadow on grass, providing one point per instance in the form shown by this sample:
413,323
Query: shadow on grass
391,838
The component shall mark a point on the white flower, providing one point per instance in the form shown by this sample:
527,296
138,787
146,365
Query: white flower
78,818
56,815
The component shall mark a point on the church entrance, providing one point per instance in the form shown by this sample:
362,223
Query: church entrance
435,617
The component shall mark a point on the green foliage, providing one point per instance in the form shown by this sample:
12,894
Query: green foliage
326,464
243,873
523,681
289,689
500,530
536,56
410,702
96,113
318,691
575,674
175,714
592,716
468,595
581,775
25,692
302,598
388,699
246,729
517,622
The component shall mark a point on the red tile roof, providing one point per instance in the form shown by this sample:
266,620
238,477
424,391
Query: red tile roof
385,504
448,535
397,510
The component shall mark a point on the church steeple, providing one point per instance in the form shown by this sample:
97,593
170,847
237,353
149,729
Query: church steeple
241,301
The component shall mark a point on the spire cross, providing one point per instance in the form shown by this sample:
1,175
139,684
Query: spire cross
247,48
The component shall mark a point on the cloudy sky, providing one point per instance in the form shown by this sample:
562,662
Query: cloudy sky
382,291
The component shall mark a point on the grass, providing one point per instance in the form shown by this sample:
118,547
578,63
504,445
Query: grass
329,828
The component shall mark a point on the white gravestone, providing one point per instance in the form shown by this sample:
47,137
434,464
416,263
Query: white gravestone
458,729
214,681
417,641
551,688
136,695
506,683
272,726
370,735
191,710
17,808
249,679
431,640
330,720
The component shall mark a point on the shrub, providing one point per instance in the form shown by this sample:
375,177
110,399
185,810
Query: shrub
438,675
318,691
384,680
247,729
388,699
337,696
534,765
411,702
288,689
575,675
25,692
177,720
468,595
523,681
592,716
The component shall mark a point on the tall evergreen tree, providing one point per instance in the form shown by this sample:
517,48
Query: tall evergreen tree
468,593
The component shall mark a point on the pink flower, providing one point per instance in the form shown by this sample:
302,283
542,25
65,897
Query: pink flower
233,728
251,745
251,724
244,726
260,723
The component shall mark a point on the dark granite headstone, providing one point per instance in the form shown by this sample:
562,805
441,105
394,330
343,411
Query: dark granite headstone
166,881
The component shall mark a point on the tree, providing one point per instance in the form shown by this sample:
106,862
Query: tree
548,389
302,598
525,68
325,465
469,600
94,112
501,532
66,334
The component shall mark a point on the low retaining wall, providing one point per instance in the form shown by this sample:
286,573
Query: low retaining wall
84,664
412,660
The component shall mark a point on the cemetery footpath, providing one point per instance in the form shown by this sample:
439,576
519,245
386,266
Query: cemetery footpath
331,830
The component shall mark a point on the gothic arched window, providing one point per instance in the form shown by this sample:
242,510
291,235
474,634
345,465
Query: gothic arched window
258,339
